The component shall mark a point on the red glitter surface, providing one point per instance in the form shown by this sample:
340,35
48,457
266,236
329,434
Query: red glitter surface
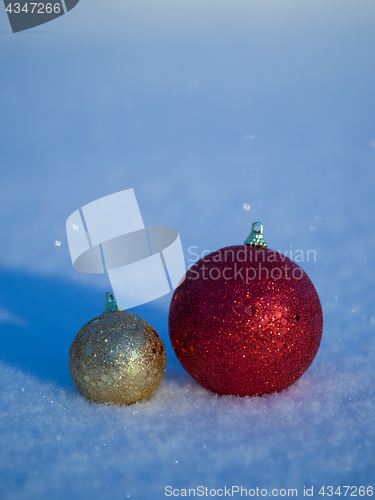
246,321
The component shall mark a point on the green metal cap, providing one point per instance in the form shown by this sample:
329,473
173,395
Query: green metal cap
110,304
255,238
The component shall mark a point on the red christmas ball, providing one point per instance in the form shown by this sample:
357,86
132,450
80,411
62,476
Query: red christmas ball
246,320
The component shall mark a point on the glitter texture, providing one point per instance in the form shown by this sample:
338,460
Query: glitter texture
245,321
117,357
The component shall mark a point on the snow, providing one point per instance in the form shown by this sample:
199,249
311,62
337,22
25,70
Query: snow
218,115
319,432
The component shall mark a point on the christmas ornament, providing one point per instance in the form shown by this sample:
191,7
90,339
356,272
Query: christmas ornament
246,320
117,357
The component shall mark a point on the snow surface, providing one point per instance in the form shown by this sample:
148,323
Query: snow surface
320,431
218,114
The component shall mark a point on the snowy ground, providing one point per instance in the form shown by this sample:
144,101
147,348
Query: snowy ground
202,108
56,444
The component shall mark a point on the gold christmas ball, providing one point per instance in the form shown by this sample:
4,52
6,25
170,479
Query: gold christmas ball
117,357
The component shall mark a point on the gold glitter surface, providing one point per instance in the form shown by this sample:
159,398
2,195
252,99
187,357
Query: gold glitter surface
117,357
